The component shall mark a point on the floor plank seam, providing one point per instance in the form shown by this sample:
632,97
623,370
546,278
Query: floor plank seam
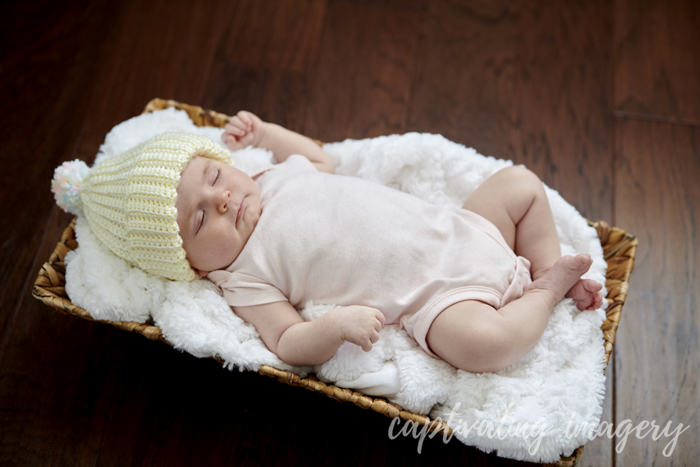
391,6
654,118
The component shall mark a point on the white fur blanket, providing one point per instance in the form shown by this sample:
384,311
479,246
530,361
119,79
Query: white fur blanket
527,405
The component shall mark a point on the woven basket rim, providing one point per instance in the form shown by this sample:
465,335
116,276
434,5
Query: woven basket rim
619,249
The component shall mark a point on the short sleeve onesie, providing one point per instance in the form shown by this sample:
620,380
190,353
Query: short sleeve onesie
347,241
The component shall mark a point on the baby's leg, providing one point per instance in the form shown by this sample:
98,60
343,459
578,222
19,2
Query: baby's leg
474,336
514,200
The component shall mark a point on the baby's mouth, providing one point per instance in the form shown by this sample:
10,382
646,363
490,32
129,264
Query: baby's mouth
241,211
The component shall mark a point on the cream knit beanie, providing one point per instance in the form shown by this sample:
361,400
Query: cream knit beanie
129,200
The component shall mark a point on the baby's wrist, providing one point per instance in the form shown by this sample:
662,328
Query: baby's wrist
261,137
333,324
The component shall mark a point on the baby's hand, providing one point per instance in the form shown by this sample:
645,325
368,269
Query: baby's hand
243,130
360,325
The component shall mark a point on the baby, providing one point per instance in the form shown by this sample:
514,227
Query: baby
474,287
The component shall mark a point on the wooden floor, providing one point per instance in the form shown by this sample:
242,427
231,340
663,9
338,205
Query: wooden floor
600,98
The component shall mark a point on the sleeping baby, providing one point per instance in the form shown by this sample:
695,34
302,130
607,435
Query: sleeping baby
474,287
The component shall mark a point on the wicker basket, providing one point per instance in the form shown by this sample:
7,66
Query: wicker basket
619,249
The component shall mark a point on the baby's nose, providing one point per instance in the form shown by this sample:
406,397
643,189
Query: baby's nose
223,201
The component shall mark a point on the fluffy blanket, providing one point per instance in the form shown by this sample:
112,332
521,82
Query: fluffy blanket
522,411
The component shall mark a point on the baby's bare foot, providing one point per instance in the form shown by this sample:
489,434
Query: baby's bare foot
587,294
562,277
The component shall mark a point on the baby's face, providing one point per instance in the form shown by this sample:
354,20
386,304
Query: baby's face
218,208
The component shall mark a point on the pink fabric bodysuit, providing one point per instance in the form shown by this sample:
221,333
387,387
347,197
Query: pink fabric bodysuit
346,241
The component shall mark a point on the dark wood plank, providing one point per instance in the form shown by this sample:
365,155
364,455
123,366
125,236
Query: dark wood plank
526,81
48,84
169,409
173,409
657,198
57,381
163,49
280,35
261,62
416,5
48,74
361,85
278,96
657,70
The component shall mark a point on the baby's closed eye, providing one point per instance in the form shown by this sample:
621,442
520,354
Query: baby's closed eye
200,221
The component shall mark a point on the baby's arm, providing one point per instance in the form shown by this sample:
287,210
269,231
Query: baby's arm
247,129
301,343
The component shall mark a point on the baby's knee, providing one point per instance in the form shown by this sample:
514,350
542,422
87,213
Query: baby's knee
472,336
486,352
522,178
481,349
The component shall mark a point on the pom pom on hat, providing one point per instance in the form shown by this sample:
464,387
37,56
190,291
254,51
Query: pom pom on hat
66,185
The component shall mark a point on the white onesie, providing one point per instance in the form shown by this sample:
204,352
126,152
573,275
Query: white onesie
342,240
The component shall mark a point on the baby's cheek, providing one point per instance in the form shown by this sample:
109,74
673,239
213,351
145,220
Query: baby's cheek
224,246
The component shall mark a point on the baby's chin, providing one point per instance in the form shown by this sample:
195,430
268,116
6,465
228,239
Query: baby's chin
211,267
200,273
213,260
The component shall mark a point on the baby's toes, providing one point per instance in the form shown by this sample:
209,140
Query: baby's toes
591,285
585,303
598,299
596,290
582,297
595,302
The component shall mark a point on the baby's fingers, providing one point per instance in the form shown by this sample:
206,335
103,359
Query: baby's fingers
230,141
380,316
236,126
245,117
373,338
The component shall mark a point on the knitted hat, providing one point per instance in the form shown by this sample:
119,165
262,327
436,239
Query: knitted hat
129,200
